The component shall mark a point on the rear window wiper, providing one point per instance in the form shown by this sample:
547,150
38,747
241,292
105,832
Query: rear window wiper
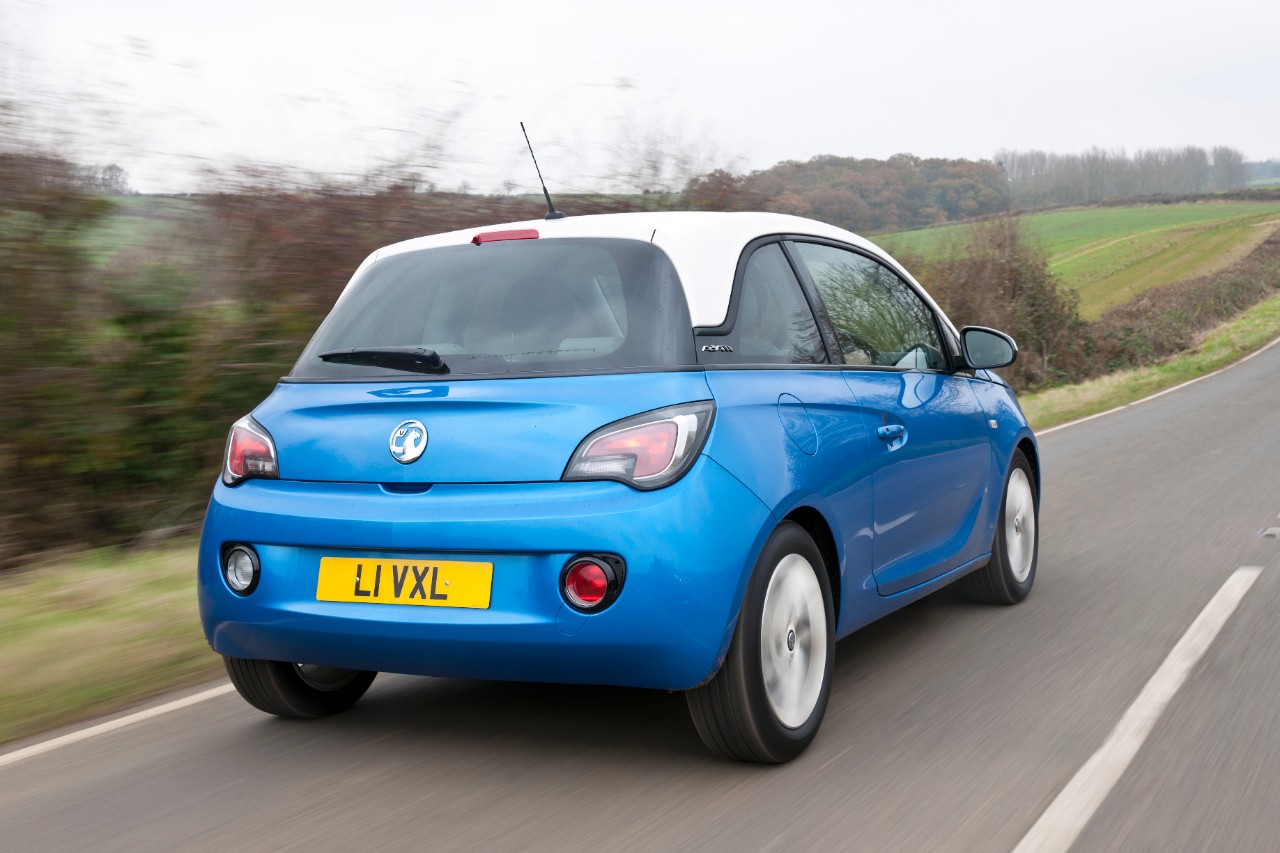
414,359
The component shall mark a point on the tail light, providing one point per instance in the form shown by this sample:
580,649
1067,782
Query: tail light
647,451
591,582
250,453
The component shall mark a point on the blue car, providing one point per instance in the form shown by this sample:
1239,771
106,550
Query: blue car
680,451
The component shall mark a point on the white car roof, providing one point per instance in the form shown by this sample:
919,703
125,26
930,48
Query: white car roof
704,247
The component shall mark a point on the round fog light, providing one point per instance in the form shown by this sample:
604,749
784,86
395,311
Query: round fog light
240,568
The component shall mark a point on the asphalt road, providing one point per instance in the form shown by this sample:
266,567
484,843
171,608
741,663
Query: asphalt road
951,726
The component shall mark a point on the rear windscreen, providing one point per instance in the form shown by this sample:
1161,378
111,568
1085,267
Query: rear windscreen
513,307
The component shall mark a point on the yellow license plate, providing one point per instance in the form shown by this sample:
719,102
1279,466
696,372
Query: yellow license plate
404,580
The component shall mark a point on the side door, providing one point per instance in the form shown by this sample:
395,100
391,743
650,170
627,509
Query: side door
930,444
782,406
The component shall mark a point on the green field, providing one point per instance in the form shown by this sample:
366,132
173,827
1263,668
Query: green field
1110,255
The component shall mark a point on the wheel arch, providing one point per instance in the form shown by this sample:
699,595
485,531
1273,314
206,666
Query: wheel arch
1029,450
815,524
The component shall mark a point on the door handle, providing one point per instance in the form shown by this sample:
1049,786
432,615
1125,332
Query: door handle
891,431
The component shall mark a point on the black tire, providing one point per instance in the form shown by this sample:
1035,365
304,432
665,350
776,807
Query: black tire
295,690
1007,577
734,712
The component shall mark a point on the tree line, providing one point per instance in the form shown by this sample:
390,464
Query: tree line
1045,179
906,192
103,180
863,195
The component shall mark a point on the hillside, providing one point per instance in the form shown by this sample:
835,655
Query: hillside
1111,254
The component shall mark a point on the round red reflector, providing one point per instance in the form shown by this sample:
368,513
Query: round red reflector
585,584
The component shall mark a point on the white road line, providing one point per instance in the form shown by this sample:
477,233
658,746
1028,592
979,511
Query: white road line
833,759
1179,387
111,725
1061,823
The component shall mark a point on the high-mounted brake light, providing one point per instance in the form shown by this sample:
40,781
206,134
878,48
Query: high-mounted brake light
250,453
497,236
647,451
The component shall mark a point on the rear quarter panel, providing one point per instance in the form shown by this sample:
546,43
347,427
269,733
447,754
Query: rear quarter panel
765,442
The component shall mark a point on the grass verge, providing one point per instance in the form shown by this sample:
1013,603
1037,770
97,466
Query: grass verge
1221,346
96,632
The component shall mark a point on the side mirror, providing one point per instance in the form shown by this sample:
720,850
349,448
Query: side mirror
987,349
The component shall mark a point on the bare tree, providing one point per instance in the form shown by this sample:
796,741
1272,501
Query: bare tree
1228,170
115,181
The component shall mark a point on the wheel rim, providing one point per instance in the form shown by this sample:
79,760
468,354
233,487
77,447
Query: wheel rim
793,641
326,678
1020,525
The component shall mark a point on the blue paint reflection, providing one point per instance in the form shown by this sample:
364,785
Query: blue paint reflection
918,389
412,391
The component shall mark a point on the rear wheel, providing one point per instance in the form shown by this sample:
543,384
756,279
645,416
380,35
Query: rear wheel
1008,577
298,690
768,699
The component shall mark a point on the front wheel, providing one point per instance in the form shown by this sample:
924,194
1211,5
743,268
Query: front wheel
768,699
298,690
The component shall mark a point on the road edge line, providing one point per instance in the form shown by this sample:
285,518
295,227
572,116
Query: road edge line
112,725
1066,817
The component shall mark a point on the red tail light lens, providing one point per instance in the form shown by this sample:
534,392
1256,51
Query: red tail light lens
585,584
644,450
591,582
250,453
648,451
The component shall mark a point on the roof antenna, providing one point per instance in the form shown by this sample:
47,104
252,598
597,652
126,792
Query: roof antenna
552,213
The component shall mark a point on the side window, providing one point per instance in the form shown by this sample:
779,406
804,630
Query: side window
774,324
879,320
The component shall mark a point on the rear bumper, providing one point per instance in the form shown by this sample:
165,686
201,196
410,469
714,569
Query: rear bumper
687,547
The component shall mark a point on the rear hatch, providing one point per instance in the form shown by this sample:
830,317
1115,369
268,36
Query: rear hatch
507,352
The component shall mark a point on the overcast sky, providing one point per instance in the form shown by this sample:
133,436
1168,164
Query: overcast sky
164,87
